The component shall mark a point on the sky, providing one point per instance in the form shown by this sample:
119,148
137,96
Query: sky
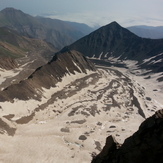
94,12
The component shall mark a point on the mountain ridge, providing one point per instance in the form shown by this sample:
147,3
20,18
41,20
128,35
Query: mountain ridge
19,46
20,56
70,106
116,37
113,41
55,31
47,76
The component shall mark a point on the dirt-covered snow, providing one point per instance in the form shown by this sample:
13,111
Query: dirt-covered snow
74,118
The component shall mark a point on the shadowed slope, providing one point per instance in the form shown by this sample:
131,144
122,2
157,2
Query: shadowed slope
113,40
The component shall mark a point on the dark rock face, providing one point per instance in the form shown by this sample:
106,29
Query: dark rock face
108,149
47,76
155,63
146,145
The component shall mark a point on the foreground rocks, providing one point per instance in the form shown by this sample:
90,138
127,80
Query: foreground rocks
146,145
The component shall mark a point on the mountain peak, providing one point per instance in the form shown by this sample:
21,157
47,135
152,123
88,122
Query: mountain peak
113,27
10,10
114,23
12,16
109,39
115,41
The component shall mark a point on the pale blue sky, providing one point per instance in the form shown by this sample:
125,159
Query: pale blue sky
94,12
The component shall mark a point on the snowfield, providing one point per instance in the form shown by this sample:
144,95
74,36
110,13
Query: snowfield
74,118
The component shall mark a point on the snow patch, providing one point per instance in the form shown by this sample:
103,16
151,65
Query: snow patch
100,56
77,66
147,60
4,74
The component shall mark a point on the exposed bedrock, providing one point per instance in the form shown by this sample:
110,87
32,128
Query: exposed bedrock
145,145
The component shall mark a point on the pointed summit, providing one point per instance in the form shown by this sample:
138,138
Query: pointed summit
50,30
115,41
12,13
10,9
14,18
111,39
113,24
115,30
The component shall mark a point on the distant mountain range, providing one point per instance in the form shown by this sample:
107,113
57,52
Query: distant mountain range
110,41
60,33
147,31
57,32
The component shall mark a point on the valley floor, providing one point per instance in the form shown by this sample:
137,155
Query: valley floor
73,119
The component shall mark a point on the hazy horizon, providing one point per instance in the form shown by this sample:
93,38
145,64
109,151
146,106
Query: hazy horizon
94,13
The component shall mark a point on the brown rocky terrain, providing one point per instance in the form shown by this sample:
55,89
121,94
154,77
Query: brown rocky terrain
47,76
20,56
8,63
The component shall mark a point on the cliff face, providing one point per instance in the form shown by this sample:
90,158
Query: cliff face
146,145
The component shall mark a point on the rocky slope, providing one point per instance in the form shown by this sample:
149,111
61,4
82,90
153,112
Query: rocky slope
20,56
145,145
14,45
7,63
47,76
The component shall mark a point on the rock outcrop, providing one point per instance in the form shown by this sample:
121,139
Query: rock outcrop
146,145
